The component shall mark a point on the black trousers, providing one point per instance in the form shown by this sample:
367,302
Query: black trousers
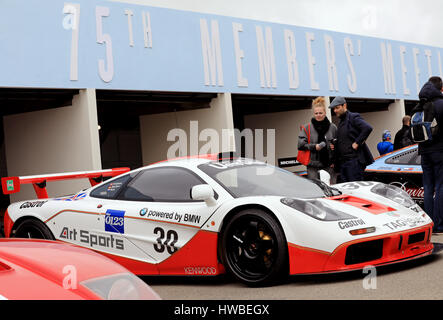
351,170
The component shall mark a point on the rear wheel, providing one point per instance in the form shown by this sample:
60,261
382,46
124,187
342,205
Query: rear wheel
254,248
32,228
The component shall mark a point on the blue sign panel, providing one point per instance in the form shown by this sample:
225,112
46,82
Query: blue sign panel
115,221
108,45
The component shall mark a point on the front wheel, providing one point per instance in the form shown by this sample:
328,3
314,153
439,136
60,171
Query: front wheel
254,248
32,228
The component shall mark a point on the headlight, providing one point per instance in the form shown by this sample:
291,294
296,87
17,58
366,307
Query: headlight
121,287
316,209
393,193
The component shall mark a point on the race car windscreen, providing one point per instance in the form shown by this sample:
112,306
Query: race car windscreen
243,178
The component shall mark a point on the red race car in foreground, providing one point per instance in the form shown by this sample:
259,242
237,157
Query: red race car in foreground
49,270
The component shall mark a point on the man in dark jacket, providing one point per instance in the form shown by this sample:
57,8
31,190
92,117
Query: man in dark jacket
352,153
402,138
432,156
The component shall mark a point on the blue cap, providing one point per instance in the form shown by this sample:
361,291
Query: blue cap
386,135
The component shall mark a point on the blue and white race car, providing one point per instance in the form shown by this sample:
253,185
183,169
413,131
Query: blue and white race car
401,168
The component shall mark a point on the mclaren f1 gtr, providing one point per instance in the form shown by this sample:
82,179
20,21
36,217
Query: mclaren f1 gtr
207,216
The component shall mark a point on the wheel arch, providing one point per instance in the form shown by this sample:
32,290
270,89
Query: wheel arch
238,209
242,207
27,217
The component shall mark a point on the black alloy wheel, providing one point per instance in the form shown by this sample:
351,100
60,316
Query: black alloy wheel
254,248
32,229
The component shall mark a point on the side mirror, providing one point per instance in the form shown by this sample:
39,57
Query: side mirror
203,192
325,177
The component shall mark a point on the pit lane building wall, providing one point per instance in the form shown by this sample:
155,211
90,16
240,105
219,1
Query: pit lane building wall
184,130
55,140
105,45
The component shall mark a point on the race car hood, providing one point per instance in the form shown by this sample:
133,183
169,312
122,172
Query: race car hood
52,260
377,209
42,269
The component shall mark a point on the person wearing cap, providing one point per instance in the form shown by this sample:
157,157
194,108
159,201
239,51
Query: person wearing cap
321,132
352,153
385,146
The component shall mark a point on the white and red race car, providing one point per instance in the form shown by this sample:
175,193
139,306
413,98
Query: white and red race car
204,216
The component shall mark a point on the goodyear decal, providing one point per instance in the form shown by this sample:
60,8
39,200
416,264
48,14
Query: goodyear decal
32,204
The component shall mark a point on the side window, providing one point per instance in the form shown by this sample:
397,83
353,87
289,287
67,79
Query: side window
407,157
417,160
110,190
168,184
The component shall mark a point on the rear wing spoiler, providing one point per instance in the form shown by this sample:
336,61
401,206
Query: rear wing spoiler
12,184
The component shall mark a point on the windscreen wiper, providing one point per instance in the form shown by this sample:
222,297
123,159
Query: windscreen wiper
328,190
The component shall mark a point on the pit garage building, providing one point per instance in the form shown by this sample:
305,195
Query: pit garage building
88,84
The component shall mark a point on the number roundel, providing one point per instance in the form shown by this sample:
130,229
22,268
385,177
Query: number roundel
168,243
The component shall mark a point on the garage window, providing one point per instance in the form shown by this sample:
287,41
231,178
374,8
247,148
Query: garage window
168,184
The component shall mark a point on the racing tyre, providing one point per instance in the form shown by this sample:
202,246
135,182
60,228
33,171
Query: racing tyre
32,228
254,248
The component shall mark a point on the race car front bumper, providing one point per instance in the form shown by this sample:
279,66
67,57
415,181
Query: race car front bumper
358,254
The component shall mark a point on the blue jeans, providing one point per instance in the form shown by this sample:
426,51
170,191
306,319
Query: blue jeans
351,170
432,166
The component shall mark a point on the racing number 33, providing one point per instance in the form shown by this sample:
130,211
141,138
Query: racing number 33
171,240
